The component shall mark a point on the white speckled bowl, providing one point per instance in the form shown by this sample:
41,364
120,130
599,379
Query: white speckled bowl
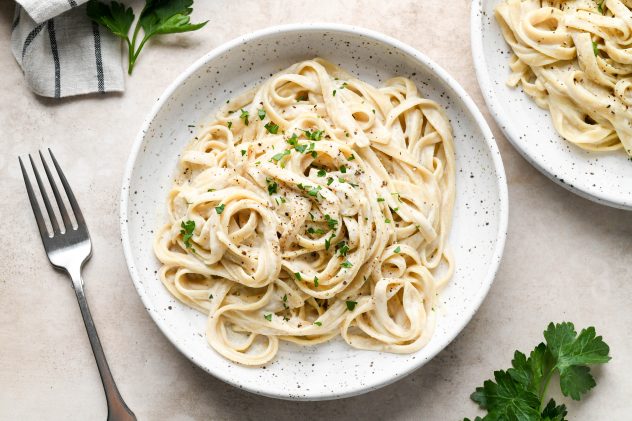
602,177
331,370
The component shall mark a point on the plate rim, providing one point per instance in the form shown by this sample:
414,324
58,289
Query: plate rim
438,72
485,85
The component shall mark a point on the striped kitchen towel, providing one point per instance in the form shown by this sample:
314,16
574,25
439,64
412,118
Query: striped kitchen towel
62,52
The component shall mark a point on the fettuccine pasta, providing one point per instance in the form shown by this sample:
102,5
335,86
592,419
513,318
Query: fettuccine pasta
314,206
574,58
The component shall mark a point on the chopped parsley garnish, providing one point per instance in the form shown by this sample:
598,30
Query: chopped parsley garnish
244,116
272,186
398,249
314,191
268,317
210,190
187,232
327,243
318,324
330,180
284,298
595,49
293,140
311,230
331,222
346,264
229,124
298,276
271,127
316,281
351,157
210,297
334,92
311,215
300,148
351,305
243,152
343,169
280,155
315,135
387,221
261,113
600,7
314,154
321,173
219,209
342,248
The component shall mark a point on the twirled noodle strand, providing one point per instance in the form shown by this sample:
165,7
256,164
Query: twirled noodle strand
315,206
574,58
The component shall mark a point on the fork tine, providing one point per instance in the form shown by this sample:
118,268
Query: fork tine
60,202
34,205
49,208
71,197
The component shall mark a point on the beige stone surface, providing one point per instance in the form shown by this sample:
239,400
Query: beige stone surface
566,258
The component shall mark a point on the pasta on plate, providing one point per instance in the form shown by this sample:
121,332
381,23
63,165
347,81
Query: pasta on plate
574,58
314,206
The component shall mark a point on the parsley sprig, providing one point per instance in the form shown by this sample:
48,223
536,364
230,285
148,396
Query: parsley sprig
519,392
158,17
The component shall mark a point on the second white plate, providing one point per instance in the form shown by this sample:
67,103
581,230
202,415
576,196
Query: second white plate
602,177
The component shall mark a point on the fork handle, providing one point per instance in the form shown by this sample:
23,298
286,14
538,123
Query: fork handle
117,409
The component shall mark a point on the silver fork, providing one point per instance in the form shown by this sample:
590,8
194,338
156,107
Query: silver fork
68,250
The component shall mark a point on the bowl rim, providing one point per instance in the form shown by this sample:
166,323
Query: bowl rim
439,73
500,115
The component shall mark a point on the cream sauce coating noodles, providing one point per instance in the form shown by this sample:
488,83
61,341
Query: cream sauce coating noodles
574,58
314,206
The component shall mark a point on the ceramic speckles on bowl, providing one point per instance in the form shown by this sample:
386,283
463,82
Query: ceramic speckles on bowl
604,177
334,369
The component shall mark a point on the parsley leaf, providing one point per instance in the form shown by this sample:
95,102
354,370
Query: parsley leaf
115,17
261,113
321,173
219,209
271,127
351,305
293,140
346,264
315,135
318,324
280,156
187,232
244,116
342,248
268,317
519,392
272,186
573,353
332,223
